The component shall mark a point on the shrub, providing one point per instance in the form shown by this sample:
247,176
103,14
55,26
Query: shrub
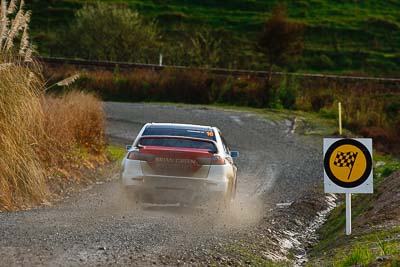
392,108
73,126
204,49
185,86
329,113
287,93
246,91
125,36
319,101
74,119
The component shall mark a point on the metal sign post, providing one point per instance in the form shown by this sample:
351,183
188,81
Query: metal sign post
347,167
348,213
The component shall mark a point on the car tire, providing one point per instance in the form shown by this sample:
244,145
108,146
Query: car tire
234,189
227,198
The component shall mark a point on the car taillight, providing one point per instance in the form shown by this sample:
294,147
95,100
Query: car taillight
215,160
136,155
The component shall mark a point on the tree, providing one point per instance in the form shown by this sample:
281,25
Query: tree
281,40
111,32
198,48
204,50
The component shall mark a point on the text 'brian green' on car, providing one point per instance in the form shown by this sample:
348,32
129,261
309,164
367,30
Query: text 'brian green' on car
179,163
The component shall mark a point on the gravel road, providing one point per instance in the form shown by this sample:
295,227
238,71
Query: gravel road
276,168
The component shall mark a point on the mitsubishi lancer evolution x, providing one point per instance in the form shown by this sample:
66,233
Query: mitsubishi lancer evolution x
181,164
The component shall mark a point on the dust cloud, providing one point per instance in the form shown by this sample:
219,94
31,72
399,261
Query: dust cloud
197,220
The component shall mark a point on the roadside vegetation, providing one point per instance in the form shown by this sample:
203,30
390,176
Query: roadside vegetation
375,239
370,108
352,37
45,140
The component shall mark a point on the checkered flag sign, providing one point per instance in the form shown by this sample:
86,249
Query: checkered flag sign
346,159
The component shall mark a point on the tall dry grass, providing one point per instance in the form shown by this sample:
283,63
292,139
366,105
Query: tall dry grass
72,122
21,116
21,123
41,137
14,29
44,136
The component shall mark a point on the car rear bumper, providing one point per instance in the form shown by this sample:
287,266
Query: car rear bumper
170,188
166,189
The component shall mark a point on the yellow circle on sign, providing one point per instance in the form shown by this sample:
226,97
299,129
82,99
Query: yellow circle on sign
348,163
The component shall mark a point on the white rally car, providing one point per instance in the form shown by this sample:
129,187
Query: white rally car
179,163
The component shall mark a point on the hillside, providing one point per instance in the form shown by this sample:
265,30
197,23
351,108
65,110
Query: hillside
375,239
340,37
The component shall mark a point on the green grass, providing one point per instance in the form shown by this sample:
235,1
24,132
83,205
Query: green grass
116,153
337,249
248,255
362,250
386,166
335,226
341,36
360,255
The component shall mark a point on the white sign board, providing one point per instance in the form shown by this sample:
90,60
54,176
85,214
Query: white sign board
348,165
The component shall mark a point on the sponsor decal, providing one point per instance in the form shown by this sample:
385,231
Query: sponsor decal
175,163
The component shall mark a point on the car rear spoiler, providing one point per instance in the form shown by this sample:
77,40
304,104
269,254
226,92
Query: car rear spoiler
177,137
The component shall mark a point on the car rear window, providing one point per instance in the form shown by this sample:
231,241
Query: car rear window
203,133
177,142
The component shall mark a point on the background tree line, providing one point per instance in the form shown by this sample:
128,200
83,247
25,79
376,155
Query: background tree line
340,37
114,32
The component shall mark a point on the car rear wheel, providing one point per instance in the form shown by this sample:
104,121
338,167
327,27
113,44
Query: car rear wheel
227,198
234,189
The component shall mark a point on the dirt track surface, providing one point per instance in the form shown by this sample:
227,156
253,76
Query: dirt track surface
276,168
